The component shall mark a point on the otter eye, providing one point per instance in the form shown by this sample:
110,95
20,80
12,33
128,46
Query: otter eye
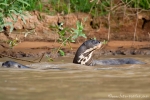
19,66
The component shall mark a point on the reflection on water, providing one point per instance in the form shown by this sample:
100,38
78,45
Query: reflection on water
61,80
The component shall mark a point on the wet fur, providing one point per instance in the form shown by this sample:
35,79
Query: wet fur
86,51
12,64
116,61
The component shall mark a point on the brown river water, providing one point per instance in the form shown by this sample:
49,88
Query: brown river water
63,80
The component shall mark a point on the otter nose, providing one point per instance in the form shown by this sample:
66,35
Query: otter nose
2,64
99,45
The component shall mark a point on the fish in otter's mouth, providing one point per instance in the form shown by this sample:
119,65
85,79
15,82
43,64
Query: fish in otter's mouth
85,51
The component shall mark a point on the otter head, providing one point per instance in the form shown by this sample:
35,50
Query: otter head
85,51
9,64
12,64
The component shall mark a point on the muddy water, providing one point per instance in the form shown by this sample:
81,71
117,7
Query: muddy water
62,80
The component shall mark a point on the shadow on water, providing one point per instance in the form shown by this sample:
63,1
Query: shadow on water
63,80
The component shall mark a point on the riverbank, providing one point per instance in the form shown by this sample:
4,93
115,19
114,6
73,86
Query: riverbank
37,36
37,49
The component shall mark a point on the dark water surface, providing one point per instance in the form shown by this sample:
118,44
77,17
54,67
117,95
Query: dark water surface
62,80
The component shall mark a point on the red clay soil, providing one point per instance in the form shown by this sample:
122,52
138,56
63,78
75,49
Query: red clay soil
41,37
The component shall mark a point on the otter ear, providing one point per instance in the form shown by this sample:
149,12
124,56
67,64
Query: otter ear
85,43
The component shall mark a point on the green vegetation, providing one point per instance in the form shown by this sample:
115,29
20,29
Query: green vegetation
49,59
61,52
81,5
59,6
104,42
12,43
68,35
78,32
143,4
9,8
70,6
33,5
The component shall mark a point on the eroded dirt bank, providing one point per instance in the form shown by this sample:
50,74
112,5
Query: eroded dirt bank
37,37
38,26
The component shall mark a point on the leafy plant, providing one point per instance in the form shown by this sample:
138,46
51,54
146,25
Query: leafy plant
104,42
12,43
68,35
78,32
49,59
9,8
62,32
61,52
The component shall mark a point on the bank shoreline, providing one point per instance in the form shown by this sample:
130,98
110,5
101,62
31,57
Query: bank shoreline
37,49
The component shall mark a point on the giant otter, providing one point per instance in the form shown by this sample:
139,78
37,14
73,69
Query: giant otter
85,52
84,56
12,64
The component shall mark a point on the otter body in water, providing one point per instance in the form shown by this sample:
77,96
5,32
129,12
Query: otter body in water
12,64
116,61
85,51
